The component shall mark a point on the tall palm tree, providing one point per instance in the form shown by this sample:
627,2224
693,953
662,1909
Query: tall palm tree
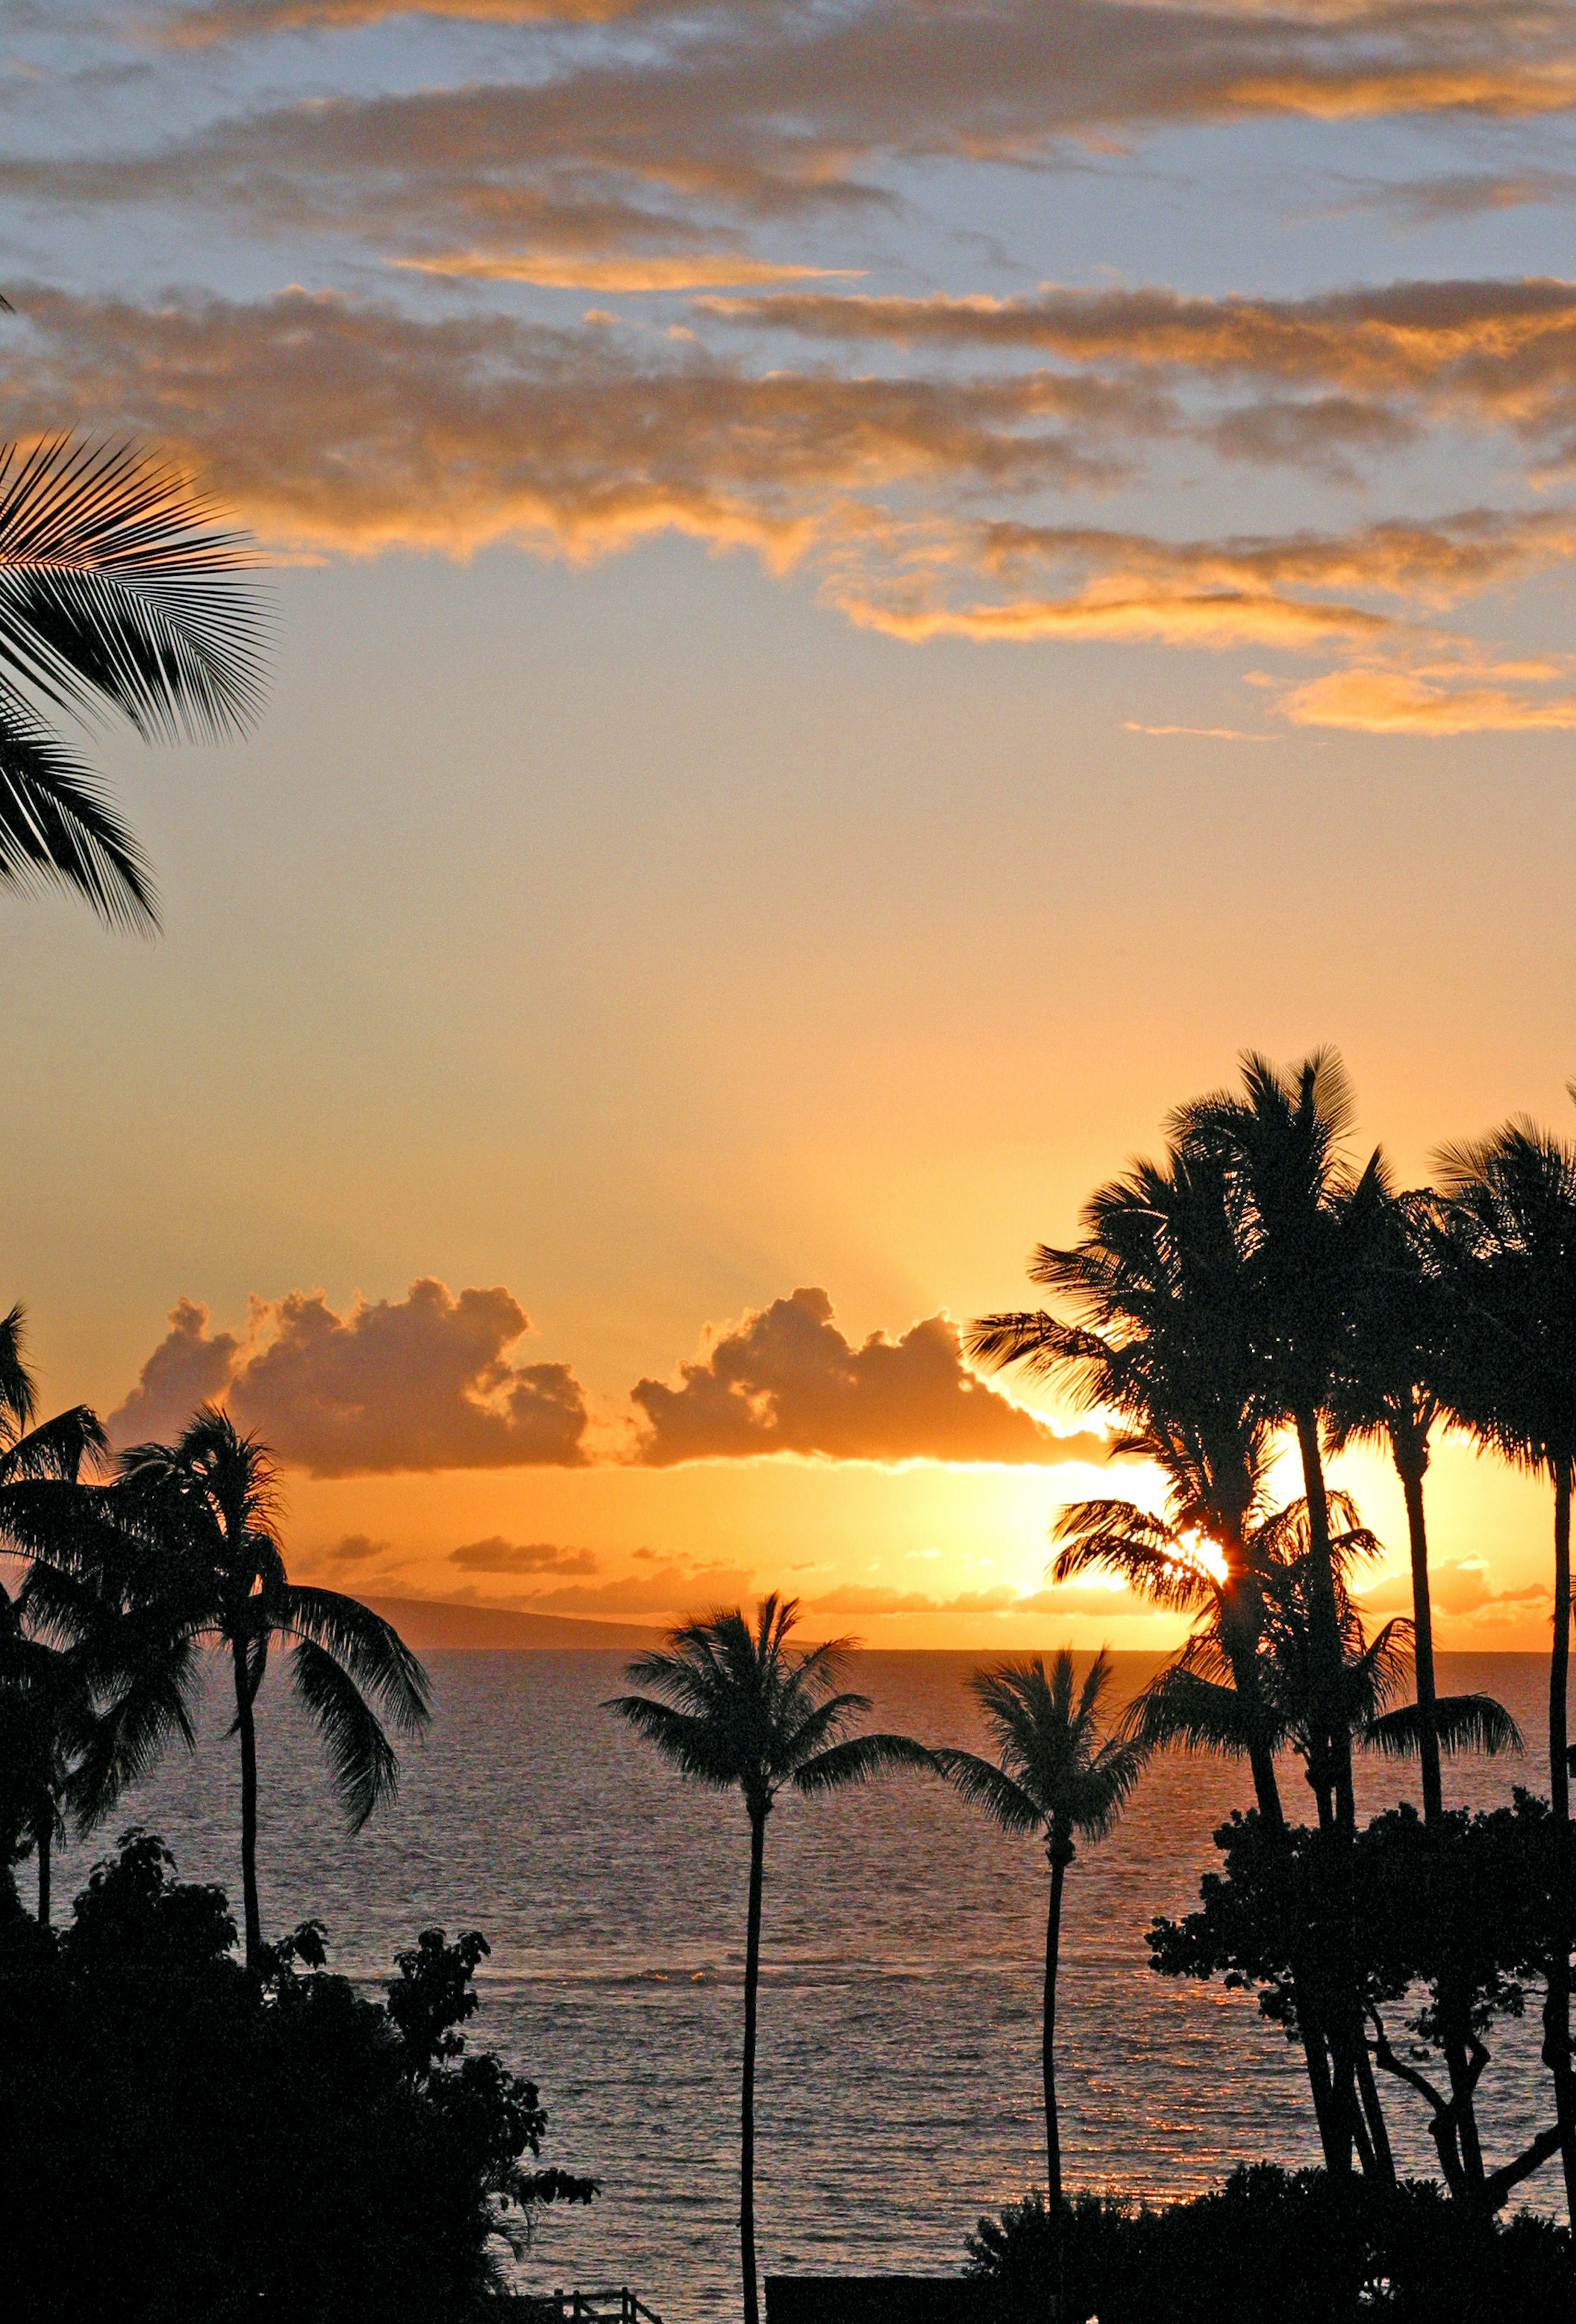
1053,1775
1159,1295
117,592
1513,1198
735,1709
205,1510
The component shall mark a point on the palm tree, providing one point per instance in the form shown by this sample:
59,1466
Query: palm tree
1053,1775
206,1512
1513,1212
116,591
1159,1295
734,1708
90,1685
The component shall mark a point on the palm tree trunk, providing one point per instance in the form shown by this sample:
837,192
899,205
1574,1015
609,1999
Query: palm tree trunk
1410,1474
45,1843
1557,2001
1346,2033
1272,1815
746,2158
1048,2068
1411,1462
248,1733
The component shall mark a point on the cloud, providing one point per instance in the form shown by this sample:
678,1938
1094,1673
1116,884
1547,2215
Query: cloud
1498,352
784,1379
1401,702
774,107
1461,1587
190,1365
658,272
870,1601
672,1587
354,1549
496,1555
420,1383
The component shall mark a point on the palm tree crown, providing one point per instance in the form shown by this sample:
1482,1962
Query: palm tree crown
1052,1774
116,591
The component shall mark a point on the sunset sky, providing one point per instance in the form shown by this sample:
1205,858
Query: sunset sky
863,595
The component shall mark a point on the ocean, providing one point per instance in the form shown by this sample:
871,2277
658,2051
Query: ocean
898,2088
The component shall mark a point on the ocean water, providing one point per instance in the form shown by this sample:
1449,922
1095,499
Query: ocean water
898,2086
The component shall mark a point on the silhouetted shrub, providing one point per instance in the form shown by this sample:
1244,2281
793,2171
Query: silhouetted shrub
179,2141
1272,2247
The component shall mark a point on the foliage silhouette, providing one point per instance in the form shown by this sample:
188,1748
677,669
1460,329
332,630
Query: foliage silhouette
117,591
180,2139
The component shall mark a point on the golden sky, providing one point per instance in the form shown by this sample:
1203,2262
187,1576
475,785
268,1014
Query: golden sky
865,594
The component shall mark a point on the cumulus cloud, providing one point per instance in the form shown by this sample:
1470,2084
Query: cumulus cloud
425,1382
497,1555
785,1379
190,1365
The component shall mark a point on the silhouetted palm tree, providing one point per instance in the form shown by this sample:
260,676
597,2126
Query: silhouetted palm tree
207,1510
735,1709
116,591
91,1686
1161,1306
1055,1776
1513,1200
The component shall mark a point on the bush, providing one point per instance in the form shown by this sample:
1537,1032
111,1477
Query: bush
1272,2247
179,2141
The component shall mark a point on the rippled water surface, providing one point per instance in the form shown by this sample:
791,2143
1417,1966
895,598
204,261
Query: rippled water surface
898,2091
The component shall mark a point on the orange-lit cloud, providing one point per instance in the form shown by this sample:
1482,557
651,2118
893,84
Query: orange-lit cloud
497,1555
785,1379
563,271
421,1383
1399,702
910,500
1460,1586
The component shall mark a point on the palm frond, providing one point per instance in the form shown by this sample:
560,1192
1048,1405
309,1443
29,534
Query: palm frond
987,1786
57,826
857,1759
1183,1711
697,1746
117,586
59,1448
363,1644
1463,1722
361,1759
17,1403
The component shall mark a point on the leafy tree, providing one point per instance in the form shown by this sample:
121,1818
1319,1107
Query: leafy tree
180,2138
116,591
736,1708
1461,1908
1055,1776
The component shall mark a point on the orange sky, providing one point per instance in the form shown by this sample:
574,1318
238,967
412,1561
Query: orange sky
863,597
